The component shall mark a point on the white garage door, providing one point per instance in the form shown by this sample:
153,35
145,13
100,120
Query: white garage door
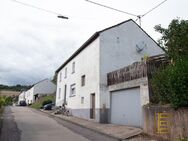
126,107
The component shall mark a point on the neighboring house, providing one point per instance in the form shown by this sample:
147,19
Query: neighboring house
44,87
82,79
21,97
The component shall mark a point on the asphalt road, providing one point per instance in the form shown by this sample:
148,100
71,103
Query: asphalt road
25,124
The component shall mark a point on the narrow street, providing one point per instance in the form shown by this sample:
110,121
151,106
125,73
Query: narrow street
25,124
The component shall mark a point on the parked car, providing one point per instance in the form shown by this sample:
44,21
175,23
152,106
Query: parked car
22,103
48,106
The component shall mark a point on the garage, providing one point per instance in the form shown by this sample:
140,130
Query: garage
126,107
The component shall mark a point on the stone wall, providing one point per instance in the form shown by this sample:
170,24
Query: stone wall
166,122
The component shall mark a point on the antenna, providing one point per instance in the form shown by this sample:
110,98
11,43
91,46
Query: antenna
42,9
121,11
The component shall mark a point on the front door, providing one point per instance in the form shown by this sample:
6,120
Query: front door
93,106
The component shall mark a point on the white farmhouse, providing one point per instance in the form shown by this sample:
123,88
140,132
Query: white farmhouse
21,97
44,87
82,79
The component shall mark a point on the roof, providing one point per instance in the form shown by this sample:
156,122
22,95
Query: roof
92,38
38,83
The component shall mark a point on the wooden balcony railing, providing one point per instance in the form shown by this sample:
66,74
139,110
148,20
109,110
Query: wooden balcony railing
131,72
137,70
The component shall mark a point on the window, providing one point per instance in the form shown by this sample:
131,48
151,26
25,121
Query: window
60,77
59,94
82,100
73,67
73,90
83,80
65,93
65,72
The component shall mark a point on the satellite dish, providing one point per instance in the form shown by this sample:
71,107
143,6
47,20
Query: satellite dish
140,46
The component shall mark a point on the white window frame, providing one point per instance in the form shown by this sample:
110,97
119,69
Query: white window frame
59,93
65,72
60,76
72,90
83,80
82,100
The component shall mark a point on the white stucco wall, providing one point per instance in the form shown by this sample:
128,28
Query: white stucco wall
21,97
29,96
86,63
113,49
118,49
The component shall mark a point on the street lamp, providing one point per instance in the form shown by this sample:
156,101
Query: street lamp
63,17
42,9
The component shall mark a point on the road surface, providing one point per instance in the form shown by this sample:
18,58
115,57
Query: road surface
25,124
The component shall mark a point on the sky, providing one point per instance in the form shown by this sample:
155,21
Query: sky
34,43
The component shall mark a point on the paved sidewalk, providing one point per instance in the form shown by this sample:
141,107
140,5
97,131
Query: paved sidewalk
119,132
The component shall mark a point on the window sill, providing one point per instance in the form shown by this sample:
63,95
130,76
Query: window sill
72,95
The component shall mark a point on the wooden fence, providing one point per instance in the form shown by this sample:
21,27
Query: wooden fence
137,70
131,72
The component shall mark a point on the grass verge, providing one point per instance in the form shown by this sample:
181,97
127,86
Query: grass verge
38,103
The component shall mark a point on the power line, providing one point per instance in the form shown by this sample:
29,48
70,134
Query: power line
154,8
138,16
42,9
111,8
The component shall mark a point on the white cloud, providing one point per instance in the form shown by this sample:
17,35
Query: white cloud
33,43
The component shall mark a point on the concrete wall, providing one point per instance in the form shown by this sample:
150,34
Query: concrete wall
86,63
177,122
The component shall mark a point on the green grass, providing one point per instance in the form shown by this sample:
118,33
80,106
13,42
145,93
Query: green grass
183,139
38,103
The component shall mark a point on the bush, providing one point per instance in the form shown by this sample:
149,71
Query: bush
46,102
170,85
183,139
39,103
4,101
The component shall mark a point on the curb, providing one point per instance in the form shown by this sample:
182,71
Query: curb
92,129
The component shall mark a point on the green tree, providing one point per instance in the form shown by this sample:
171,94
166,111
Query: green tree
174,39
17,87
170,85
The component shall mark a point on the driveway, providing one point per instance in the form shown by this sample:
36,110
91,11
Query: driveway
25,124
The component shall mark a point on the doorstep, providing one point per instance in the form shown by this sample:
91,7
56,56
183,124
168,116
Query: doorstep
120,132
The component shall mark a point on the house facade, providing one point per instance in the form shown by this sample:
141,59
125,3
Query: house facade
21,97
82,79
44,87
